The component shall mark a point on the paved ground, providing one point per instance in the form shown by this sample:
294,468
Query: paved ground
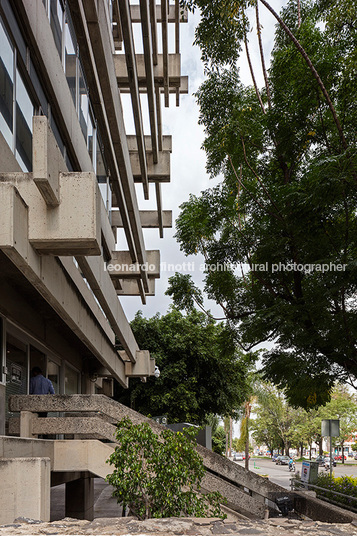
181,527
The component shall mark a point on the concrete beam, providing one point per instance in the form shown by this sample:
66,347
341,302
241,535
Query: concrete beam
182,86
120,265
165,50
156,172
129,287
135,14
144,366
133,147
47,161
149,219
131,69
72,227
149,69
173,70
100,282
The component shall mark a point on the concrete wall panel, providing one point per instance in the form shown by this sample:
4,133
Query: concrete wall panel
24,489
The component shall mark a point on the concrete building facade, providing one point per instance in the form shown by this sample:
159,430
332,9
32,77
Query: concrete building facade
69,174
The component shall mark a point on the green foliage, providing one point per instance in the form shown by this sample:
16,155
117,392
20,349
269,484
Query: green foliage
219,441
278,424
343,484
159,475
201,371
286,204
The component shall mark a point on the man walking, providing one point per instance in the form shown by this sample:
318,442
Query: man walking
39,385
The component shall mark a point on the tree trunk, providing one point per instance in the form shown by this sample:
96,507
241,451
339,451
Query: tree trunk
246,461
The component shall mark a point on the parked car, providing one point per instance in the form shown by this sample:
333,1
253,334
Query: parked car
274,457
339,457
238,457
320,459
283,460
356,456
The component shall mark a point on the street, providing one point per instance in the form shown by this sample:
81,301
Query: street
279,474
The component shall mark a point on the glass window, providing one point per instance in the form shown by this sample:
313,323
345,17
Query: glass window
83,103
37,359
70,57
16,364
53,372
6,86
71,381
56,22
24,113
91,139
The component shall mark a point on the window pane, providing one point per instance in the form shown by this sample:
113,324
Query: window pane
83,103
6,87
24,113
16,364
53,375
70,381
91,134
70,58
56,21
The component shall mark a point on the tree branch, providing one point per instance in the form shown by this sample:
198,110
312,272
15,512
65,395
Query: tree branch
312,69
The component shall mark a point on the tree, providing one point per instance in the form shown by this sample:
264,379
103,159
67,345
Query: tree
276,420
343,406
159,475
283,221
201,370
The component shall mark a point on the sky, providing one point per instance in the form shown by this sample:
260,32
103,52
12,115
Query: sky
188,173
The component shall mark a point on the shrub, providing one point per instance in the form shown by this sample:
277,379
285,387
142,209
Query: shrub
343,484
159,475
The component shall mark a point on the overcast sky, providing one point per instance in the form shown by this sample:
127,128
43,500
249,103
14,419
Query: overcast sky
188,173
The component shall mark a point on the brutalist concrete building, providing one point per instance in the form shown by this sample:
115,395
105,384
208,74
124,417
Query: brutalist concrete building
72,237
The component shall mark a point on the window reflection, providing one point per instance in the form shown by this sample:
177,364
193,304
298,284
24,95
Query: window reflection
70,57
24,113
53,375
56,22
71,381
83,103
6,86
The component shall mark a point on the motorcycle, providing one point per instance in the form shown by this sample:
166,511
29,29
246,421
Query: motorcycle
292,465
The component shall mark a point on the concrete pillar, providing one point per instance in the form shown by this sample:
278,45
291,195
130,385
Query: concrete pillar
24,489
26,424
2,408
80,498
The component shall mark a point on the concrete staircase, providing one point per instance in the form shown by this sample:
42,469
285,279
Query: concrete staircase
95,416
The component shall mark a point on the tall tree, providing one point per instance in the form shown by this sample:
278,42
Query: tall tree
283,220
201,370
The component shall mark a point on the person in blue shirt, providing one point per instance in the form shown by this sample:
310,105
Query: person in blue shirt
39,385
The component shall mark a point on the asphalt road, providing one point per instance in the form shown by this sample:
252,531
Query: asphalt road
279,474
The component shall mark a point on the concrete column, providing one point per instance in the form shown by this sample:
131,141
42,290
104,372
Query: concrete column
26,424
2,408
80,498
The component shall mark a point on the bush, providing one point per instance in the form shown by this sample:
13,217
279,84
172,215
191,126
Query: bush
159,475
342,484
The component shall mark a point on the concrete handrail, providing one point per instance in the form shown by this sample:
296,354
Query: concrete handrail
260,488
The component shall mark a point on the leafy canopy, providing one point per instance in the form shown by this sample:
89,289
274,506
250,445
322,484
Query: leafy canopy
201,370
284,215
159,475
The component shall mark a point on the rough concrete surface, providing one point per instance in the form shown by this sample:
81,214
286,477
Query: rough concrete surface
180,526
